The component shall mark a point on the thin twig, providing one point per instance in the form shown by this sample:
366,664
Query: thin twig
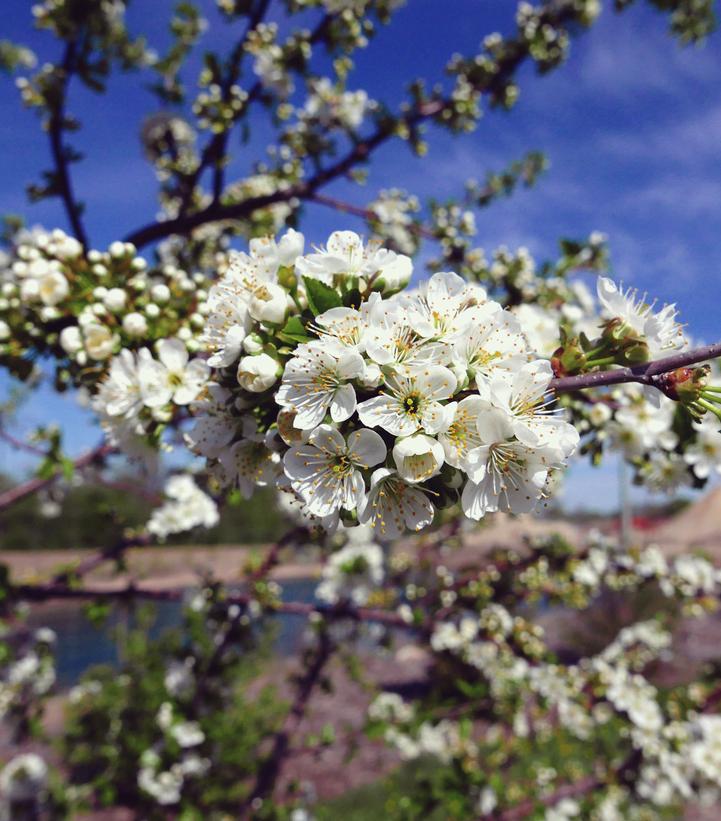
366,213
19,444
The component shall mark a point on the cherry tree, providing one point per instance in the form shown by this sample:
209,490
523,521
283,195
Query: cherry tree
391,413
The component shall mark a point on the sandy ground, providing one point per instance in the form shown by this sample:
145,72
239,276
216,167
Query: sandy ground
157,567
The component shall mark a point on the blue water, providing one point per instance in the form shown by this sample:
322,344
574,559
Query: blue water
81,644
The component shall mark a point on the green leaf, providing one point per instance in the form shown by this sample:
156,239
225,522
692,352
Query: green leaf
321,297
68,468
47,469
294,331
97,613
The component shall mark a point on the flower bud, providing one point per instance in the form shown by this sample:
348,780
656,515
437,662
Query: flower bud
70,339
635,354
160,293
135,324
570,358
269,304
115,299
53,288
418,457
252,344
99,341
685,384
258,373
287,278
599,414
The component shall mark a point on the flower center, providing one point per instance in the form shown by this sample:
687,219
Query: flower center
412,404
342,465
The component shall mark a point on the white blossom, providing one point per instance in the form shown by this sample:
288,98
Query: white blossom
326,472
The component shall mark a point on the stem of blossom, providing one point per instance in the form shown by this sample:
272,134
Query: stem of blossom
606,360
706,405
19,444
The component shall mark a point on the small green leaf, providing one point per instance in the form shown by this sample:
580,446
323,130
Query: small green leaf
47,469
294,331
68,468
321,297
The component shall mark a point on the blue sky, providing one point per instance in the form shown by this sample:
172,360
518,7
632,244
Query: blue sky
631,125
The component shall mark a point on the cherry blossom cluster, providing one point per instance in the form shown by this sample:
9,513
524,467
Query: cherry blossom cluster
354,572
165,785
84,308
27,672
187,507
136,399
373,402
673,742
23,784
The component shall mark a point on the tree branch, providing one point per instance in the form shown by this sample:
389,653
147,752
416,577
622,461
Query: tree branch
647,374
558,12
19,444
58,589
271,768
365,213
215,149
10,497
56,127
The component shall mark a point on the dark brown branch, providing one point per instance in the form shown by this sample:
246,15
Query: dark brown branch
624,774
646,374
215,150
59,589
90,563
271,768
56,126
558,12
19,492
526,808
366,213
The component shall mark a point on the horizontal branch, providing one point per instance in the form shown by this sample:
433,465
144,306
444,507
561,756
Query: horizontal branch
109,554
56,590
646,374
15,494
625,774
526,808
